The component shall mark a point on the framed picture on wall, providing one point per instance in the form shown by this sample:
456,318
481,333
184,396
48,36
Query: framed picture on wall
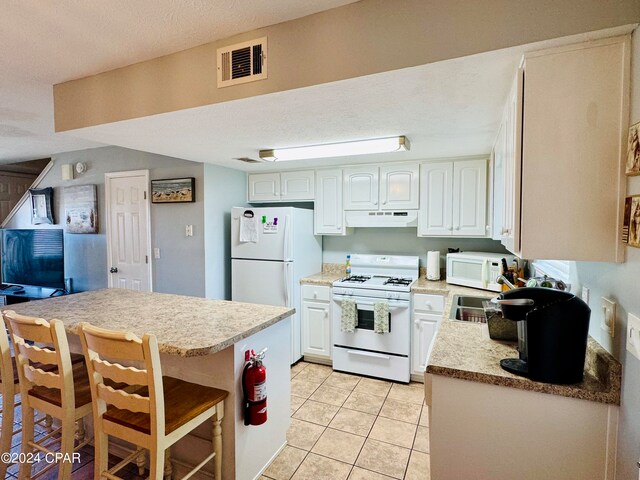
173,190
631,225
633,151
81,209
41,201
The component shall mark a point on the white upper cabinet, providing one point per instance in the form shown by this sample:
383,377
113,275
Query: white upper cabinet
284,186
264,187
399,186
453,199
387,187
361,188
328,212
470,198
569,182
297,185
436,212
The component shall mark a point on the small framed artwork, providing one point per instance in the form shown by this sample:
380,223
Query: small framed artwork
631,224
81,209
173,190
41,201
633,151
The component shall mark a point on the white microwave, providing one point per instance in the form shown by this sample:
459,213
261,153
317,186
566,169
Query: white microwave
476,269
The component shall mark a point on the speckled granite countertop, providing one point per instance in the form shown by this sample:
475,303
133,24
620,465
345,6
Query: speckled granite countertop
464,350
325,279
184,326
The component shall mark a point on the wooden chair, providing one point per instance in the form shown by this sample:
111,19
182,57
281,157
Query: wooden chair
51,383
9,380
154,411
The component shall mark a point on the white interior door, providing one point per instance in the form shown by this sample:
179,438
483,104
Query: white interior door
128,230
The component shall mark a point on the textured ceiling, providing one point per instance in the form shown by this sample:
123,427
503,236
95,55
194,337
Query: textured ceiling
47,42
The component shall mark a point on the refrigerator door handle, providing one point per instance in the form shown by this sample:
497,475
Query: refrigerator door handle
287,238
287,282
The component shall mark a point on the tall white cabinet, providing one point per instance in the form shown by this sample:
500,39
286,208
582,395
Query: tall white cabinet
328,211
453,199
564,166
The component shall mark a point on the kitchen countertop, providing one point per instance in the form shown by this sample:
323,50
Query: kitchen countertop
184,326
464,351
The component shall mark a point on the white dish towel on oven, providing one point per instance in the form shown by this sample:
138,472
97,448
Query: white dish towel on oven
348,320
381,317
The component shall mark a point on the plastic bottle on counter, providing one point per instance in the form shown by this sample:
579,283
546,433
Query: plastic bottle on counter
348,270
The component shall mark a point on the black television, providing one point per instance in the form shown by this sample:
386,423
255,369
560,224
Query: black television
33,257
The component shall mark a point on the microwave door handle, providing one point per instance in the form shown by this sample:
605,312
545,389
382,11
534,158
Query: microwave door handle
485,273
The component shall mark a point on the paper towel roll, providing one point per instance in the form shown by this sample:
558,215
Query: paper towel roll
433,265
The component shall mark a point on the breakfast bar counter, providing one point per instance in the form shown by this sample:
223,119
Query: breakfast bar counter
201,341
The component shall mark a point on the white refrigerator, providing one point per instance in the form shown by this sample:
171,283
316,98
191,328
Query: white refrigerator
272,248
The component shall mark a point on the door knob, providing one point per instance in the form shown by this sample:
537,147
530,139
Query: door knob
113,270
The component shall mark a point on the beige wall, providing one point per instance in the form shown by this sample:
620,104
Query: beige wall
363,38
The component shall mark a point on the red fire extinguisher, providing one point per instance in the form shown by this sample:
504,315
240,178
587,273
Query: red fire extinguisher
254,387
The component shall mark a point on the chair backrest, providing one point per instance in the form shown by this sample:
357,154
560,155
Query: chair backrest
137,389
7,379
34,359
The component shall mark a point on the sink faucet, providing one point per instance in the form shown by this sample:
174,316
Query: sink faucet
502,280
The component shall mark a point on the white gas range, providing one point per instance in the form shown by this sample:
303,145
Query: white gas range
375,279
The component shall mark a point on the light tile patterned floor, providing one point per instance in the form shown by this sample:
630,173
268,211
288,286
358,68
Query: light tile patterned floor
350,427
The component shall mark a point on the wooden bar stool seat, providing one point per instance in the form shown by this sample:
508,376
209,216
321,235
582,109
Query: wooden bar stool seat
50,383
153,412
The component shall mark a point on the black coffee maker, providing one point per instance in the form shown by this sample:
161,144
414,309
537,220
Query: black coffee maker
553,327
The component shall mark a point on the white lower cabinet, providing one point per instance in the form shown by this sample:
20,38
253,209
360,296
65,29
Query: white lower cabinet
426,317
316,322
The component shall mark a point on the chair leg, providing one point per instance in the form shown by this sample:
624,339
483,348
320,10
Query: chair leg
140,461
101,459
156,463
217,441
7,430
27,436
80,431
68,436
168,468
48,423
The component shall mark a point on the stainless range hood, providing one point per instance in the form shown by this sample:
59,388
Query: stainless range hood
404,218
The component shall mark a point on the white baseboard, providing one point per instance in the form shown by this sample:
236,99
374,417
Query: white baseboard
270,460
320,360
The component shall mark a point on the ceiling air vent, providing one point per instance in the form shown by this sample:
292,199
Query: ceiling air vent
248,160
242,63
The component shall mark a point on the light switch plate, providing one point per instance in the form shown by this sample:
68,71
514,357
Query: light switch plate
585,295
188,231
608,316
633,335
156,252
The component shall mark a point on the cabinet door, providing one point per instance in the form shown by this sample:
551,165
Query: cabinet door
470,198
512,167
264,187
316,329
436,193
497,200
399,186
297,185
361,188
328,213
424,332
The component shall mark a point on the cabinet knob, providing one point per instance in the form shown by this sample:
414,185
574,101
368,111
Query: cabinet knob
449,227
384,203
457,227
375,203
315,294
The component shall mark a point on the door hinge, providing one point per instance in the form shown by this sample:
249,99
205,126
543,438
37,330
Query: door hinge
145,194
146,259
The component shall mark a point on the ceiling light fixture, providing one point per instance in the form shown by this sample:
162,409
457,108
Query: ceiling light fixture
344,149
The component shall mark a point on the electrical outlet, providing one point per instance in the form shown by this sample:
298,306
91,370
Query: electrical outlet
608,316
188,231
585,295
633,335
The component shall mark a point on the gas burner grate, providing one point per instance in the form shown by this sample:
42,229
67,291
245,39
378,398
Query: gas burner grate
356,279
398,281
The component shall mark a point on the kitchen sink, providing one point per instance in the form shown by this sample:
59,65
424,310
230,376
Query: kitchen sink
468,309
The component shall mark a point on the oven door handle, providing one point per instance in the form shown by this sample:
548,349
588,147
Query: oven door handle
368,354
359,302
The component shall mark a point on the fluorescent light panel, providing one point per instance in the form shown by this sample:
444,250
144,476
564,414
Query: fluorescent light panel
344,149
